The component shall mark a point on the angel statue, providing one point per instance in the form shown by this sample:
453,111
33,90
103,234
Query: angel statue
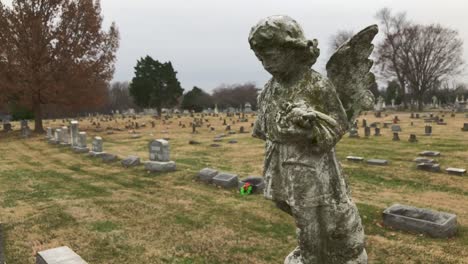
302,115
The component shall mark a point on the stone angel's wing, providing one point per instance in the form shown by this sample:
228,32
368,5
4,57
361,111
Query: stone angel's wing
348,70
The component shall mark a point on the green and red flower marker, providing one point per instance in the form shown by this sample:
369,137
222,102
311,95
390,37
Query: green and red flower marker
246,189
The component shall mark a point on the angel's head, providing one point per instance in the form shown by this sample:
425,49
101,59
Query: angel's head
279,43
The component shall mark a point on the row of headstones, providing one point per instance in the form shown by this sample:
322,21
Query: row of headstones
422,163
229,180
417,220
159,150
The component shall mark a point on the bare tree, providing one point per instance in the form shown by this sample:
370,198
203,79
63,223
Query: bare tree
339,39
235,95
119,96
428,56
387,52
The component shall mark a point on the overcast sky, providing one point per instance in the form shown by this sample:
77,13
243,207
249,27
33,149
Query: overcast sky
206,40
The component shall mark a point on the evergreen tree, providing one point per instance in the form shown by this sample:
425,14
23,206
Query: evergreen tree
155,84
196,100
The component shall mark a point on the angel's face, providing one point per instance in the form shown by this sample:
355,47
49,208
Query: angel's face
276,60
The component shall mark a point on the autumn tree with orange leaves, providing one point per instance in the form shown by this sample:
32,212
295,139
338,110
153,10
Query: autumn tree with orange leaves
55,52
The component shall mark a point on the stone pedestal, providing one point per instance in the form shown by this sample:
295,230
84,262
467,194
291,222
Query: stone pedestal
160,166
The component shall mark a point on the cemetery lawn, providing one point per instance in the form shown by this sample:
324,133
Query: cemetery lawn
52,197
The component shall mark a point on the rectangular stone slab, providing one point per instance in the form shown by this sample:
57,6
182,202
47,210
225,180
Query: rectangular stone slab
424,160
428,167
61,255
355,159
429,153
420,220
379,162
456,171
207,175
226,180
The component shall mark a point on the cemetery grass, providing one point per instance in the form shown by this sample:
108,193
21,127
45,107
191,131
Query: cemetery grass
51,197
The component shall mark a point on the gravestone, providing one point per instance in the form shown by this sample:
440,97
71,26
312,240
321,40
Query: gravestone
395,136
355,158
207,174
367,132
57,136
96,147
456,171
428,130
424,160
396,128
226,180
465,127
353,132
428,153
159,154
432,167
65,138
61,255
159,150
364,123
420,220
74,133
413,138
25,130
108,158
81,143
377,132
50,133
379,162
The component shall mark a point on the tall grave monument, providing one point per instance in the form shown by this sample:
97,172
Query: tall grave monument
302,115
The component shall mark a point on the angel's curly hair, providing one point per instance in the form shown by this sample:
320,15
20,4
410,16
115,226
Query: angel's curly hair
283,31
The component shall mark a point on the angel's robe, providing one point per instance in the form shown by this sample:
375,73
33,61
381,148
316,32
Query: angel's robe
302,170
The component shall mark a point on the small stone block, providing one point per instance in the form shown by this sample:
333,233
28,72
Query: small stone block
429,154
379,162
355,159
429,167
160,166
424,160
80,150
108,158
226,180
207,175
420,220
130,161
61,255
456,171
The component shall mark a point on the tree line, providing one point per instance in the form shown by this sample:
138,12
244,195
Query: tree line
420,61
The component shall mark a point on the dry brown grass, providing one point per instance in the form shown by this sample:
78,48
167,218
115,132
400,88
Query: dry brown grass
52,197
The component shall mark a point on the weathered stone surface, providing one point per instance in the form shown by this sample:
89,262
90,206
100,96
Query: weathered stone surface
456,171
428,167
207,175
74,133
61,255
232,141
214,145
97,145
108,158
301,116
130,161
257,183
396,128
420,220
355,158
159,150
424,160
194,142
226,180
428,153
160,166
379,162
